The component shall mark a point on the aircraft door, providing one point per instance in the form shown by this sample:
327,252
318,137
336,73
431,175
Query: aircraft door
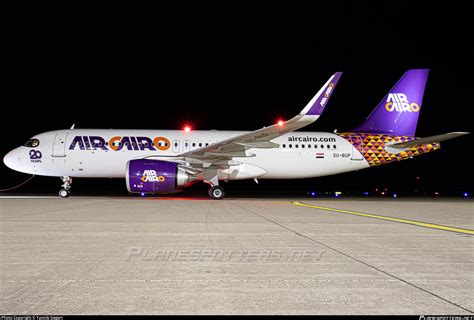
59,145
357,144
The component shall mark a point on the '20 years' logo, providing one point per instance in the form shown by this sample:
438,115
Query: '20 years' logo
35,155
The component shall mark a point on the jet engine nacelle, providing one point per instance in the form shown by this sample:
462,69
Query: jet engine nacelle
154,176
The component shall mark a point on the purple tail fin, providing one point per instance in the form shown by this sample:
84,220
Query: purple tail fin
398,112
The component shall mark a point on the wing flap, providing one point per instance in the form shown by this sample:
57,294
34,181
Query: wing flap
239,154
259,144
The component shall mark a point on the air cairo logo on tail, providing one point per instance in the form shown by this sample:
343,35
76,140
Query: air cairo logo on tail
151,176
399,102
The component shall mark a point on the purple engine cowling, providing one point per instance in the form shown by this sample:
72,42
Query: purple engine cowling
154,176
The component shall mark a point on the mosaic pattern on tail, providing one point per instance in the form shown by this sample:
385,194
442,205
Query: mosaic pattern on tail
372,147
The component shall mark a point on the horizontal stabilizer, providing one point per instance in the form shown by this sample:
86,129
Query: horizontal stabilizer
421,141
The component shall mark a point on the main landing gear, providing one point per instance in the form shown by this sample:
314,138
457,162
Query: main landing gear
215,192
64,192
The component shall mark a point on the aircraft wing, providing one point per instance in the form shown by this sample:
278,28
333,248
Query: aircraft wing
219,154
421,141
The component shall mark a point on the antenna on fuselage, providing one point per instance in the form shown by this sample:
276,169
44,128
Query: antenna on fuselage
72,127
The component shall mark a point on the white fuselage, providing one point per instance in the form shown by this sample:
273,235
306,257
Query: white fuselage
309,154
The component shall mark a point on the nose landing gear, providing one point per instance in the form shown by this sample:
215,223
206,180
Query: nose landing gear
64,192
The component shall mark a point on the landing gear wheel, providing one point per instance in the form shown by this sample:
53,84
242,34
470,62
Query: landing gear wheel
216,193
63,193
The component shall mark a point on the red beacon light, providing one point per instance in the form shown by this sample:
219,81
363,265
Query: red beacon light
187,129
280,123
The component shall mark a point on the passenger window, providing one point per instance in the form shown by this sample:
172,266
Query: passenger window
175,144
322,146
290,146
334,146
302,146
296,146
194,144
284,145
315,146
200,144
329,147
309,146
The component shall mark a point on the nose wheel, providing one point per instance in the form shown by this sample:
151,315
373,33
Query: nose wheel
65,192
216,193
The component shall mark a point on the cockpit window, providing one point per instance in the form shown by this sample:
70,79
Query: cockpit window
32,143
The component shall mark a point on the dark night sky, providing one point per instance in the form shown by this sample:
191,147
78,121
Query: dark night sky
239,69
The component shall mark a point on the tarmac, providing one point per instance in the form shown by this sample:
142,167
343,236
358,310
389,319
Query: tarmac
131,255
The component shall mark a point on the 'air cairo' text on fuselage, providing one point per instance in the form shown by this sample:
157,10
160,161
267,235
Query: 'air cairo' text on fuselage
118,143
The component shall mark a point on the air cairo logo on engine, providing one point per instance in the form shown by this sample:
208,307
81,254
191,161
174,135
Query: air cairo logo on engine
118,143
399,102
151,176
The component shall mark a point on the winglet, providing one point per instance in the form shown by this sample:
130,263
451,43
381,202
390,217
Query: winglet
316,106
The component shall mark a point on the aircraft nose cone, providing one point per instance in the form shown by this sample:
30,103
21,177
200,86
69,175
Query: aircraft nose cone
13,160
8,160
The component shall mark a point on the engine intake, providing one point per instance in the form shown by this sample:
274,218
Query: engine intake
154,176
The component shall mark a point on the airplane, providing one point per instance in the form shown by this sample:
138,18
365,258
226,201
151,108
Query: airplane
166,161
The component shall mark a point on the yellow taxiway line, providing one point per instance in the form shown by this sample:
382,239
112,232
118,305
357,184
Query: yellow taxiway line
368,215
